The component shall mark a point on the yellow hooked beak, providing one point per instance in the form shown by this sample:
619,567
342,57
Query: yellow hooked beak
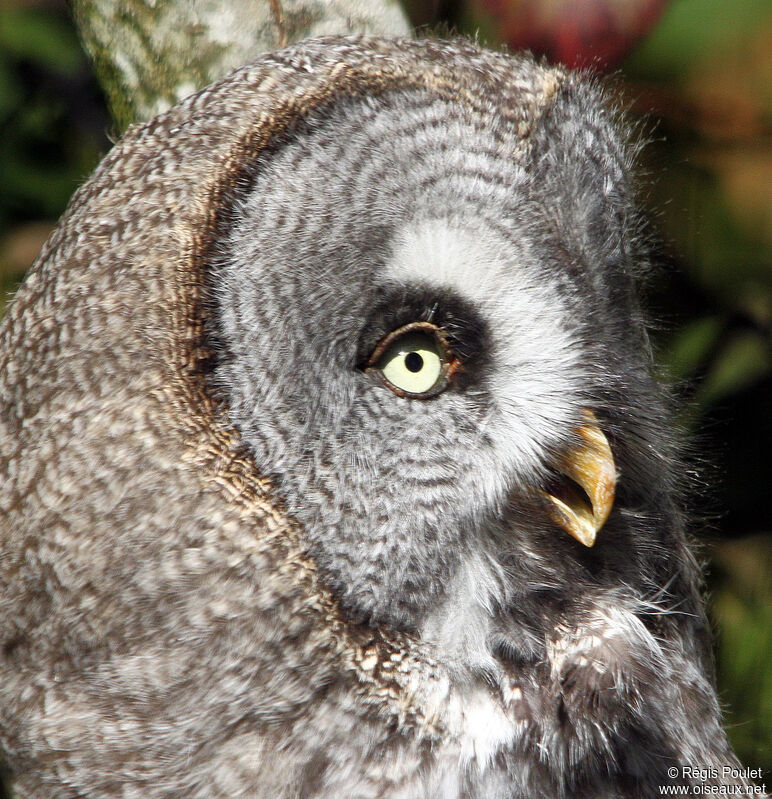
590,467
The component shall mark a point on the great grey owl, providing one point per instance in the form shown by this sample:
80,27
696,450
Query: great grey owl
299,404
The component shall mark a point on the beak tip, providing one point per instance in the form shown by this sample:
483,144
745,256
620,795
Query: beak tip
589,539
590,466
578,524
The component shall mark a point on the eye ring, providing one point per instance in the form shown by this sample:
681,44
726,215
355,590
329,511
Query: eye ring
449,364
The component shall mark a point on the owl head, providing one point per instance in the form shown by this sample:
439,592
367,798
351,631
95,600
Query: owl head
329,398
424,329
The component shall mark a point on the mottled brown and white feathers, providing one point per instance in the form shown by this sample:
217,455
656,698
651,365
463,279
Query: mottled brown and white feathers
237,560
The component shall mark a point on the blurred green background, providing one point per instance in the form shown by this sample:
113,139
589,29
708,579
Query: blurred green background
698,75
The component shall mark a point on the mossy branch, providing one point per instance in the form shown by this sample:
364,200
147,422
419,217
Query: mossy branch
148,54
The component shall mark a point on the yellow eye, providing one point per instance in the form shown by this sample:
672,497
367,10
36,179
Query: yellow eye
413,361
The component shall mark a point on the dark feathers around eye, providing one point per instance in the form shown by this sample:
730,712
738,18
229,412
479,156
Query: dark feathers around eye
466,331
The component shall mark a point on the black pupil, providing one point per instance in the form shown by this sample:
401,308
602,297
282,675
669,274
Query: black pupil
414,362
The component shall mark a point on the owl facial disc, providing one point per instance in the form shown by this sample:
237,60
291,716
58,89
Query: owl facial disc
589,466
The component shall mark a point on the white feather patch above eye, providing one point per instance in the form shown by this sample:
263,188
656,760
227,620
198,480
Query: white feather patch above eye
536,377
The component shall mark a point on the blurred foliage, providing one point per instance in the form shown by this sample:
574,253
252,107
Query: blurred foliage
742,570
706,75
702,80
52,127
577,33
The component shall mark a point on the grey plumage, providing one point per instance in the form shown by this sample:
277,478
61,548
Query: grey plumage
234,562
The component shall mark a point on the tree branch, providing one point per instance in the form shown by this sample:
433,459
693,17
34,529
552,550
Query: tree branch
149,54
